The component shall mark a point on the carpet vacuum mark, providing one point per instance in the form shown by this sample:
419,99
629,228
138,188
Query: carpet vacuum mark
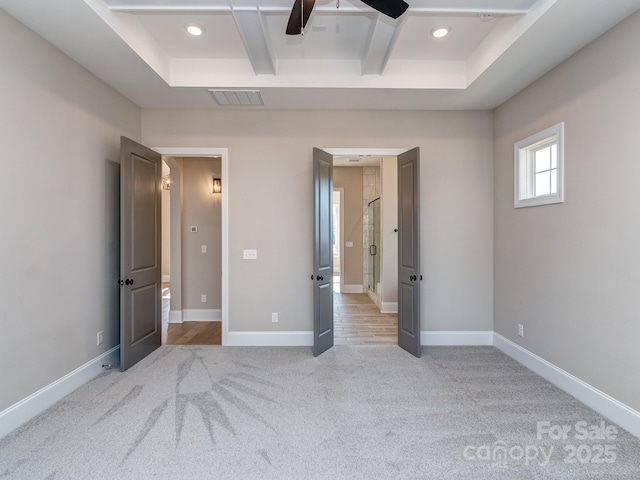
356,412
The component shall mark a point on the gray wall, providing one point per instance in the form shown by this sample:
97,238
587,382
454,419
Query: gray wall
571,272
270,204
350,178
201,272
60,133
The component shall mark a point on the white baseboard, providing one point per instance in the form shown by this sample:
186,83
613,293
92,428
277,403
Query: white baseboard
389,307
38,402
166,278
456,338
618,412
298,339
270,339
201,315
175,316
352,289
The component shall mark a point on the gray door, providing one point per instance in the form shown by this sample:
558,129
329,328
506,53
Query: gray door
140,273
322,251
409,251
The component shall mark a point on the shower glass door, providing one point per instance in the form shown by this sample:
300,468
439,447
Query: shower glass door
374,246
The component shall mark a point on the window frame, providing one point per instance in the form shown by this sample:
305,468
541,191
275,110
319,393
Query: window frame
524,167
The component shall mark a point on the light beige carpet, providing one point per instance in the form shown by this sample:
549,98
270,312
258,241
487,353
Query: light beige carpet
368,412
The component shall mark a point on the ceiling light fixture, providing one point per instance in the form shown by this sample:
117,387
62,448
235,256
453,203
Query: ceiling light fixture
194,29
440,32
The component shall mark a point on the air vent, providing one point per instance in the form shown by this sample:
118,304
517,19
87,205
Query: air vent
237,97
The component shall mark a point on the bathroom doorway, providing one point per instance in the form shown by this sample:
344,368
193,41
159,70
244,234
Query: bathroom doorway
362,314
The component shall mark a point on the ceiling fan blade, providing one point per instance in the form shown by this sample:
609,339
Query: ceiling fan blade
296,21
391,8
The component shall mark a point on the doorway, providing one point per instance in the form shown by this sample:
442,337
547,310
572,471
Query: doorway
363,314
338,239
407,222
198,299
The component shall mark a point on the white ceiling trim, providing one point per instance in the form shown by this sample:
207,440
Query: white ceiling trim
500,7
399,74
376,68
501,38
384,32
256,42
131,32
128,54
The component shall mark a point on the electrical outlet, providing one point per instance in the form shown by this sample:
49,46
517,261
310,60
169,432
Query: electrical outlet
521,330
251,254
274,317
203,249
100,337
203,298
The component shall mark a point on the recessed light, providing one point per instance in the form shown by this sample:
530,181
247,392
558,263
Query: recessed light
194,29
440,32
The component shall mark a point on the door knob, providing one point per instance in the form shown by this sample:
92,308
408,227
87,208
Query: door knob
412,278
320,277
121,282
128,281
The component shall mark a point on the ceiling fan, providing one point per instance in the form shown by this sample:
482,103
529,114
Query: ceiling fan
302,9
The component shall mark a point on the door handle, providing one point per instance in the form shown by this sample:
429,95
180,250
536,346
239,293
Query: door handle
128,281
373,250
413,278
120,282
320,277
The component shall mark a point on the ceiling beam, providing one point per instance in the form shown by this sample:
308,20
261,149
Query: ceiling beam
382,36
253,34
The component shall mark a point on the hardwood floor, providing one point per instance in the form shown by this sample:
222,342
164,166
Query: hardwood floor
358,321
194,333
187,333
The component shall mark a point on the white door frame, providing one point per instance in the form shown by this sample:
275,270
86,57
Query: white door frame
340,191
223,153
373,152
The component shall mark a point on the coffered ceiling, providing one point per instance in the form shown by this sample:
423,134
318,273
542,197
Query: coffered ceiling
350,57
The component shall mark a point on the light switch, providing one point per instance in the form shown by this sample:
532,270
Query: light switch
194,229
250,254
348,244
203,249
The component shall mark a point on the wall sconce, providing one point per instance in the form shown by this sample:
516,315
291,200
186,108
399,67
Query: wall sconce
217,185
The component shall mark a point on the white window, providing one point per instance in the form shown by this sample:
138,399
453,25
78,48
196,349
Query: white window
539,168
